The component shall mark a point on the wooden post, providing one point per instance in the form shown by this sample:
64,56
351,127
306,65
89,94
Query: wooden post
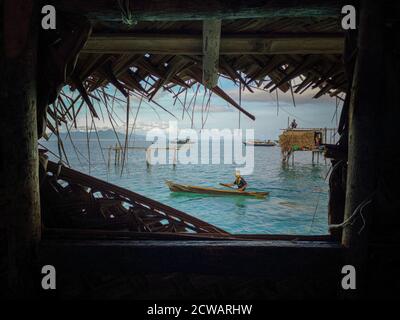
365,104
19,166
109,158
211,42
148,157
115,154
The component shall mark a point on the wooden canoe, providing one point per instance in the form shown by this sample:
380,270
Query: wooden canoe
174,187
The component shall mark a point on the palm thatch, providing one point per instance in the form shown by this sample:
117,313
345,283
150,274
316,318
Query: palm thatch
146,58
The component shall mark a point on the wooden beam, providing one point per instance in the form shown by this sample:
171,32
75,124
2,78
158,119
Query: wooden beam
277,259
175,10
219,92
211,43
229,44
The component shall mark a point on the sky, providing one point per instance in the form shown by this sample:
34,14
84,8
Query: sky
308,112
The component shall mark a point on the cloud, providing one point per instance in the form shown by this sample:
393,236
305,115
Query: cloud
212,108
284,98
140,126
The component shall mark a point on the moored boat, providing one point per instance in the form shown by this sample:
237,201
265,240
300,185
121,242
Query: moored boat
181,141
260,143
175,187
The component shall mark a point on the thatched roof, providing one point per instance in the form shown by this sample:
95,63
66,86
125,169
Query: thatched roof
145,57
266,71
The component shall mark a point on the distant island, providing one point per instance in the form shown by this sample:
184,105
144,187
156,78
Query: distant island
107,134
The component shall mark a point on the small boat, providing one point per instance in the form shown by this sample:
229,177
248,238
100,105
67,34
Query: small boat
260,143
181,141
174,187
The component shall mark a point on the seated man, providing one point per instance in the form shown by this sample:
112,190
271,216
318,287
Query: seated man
239,182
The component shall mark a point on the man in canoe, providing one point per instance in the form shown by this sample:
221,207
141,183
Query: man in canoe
239,182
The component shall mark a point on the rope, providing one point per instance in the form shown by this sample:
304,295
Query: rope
331,169
126,12
315,213
357,210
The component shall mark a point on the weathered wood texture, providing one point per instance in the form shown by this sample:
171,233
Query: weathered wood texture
337,195
384,236
229,44
266,53
96,234
211,44
364,128
19,187
386,224
366,104
95,204
160,10
263,269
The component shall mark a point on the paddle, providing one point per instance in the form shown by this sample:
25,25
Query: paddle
228,186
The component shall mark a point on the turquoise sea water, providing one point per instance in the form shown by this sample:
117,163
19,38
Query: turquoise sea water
297,203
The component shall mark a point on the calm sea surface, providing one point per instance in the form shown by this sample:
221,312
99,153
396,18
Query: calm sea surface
298,194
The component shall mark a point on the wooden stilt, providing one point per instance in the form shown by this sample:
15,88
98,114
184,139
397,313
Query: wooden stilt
19,183
109,157
148,157
363,127
115,154
175,158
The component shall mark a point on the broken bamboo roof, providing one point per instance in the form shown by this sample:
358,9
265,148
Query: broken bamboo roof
147,51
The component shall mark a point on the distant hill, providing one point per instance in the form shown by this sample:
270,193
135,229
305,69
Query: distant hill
103,135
